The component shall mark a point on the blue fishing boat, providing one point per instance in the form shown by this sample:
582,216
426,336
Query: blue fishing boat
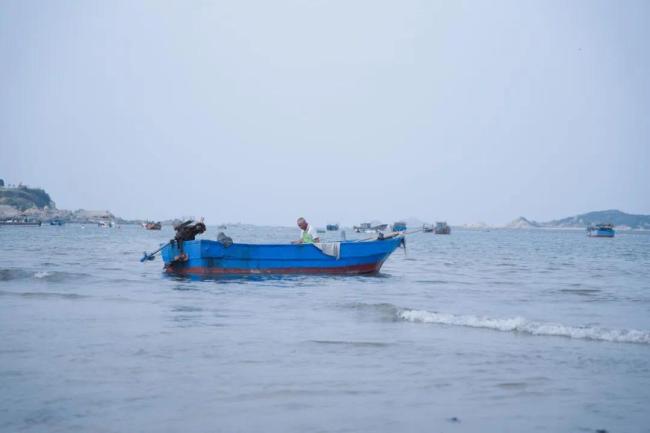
601,231
207,257
399,226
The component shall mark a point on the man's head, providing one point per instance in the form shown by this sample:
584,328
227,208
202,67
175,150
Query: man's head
302,223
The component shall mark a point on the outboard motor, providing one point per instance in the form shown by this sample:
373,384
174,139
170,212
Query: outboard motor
188,230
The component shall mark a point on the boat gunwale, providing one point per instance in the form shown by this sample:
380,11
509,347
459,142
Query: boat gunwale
347,242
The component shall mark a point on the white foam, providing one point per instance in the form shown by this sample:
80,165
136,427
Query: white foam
520,324
42,274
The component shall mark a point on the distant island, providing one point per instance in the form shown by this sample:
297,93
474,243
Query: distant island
622,221
25,203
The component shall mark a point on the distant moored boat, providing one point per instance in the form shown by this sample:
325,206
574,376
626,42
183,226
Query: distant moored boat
20,222
104,223
601,231
362,227
442,228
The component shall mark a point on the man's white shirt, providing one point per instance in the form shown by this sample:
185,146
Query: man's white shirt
310,230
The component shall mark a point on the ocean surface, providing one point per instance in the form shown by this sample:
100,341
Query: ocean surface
479,331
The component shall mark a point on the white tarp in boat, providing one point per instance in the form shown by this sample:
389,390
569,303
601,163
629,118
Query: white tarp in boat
330,248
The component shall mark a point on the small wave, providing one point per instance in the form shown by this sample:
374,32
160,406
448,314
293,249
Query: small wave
512,385
11,274
46,295
58,276
386,311
43,295
352,343
581,292
186,309
433,281
522,325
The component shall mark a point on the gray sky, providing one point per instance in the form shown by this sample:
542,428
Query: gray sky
339,111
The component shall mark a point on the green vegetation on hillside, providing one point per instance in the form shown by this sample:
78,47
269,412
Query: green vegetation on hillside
612,216
23,198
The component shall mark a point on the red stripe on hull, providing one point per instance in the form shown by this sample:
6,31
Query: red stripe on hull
346,270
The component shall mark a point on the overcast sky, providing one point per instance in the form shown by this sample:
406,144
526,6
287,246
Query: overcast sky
339,111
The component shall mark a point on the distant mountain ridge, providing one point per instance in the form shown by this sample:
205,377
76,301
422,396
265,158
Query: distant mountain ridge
612,216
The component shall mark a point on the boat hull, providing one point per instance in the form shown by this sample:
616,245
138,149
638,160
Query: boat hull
600,233
205,257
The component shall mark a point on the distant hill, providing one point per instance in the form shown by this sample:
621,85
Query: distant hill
23,198
35,203
613,216
616,217
522,223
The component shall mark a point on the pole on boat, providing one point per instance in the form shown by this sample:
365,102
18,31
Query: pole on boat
152,256
388,236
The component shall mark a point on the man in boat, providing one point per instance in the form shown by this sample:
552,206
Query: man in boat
307,233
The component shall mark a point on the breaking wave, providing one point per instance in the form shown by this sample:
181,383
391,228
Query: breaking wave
390,312
522,325
12,274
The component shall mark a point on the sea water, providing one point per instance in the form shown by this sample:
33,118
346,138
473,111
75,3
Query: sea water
493,331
